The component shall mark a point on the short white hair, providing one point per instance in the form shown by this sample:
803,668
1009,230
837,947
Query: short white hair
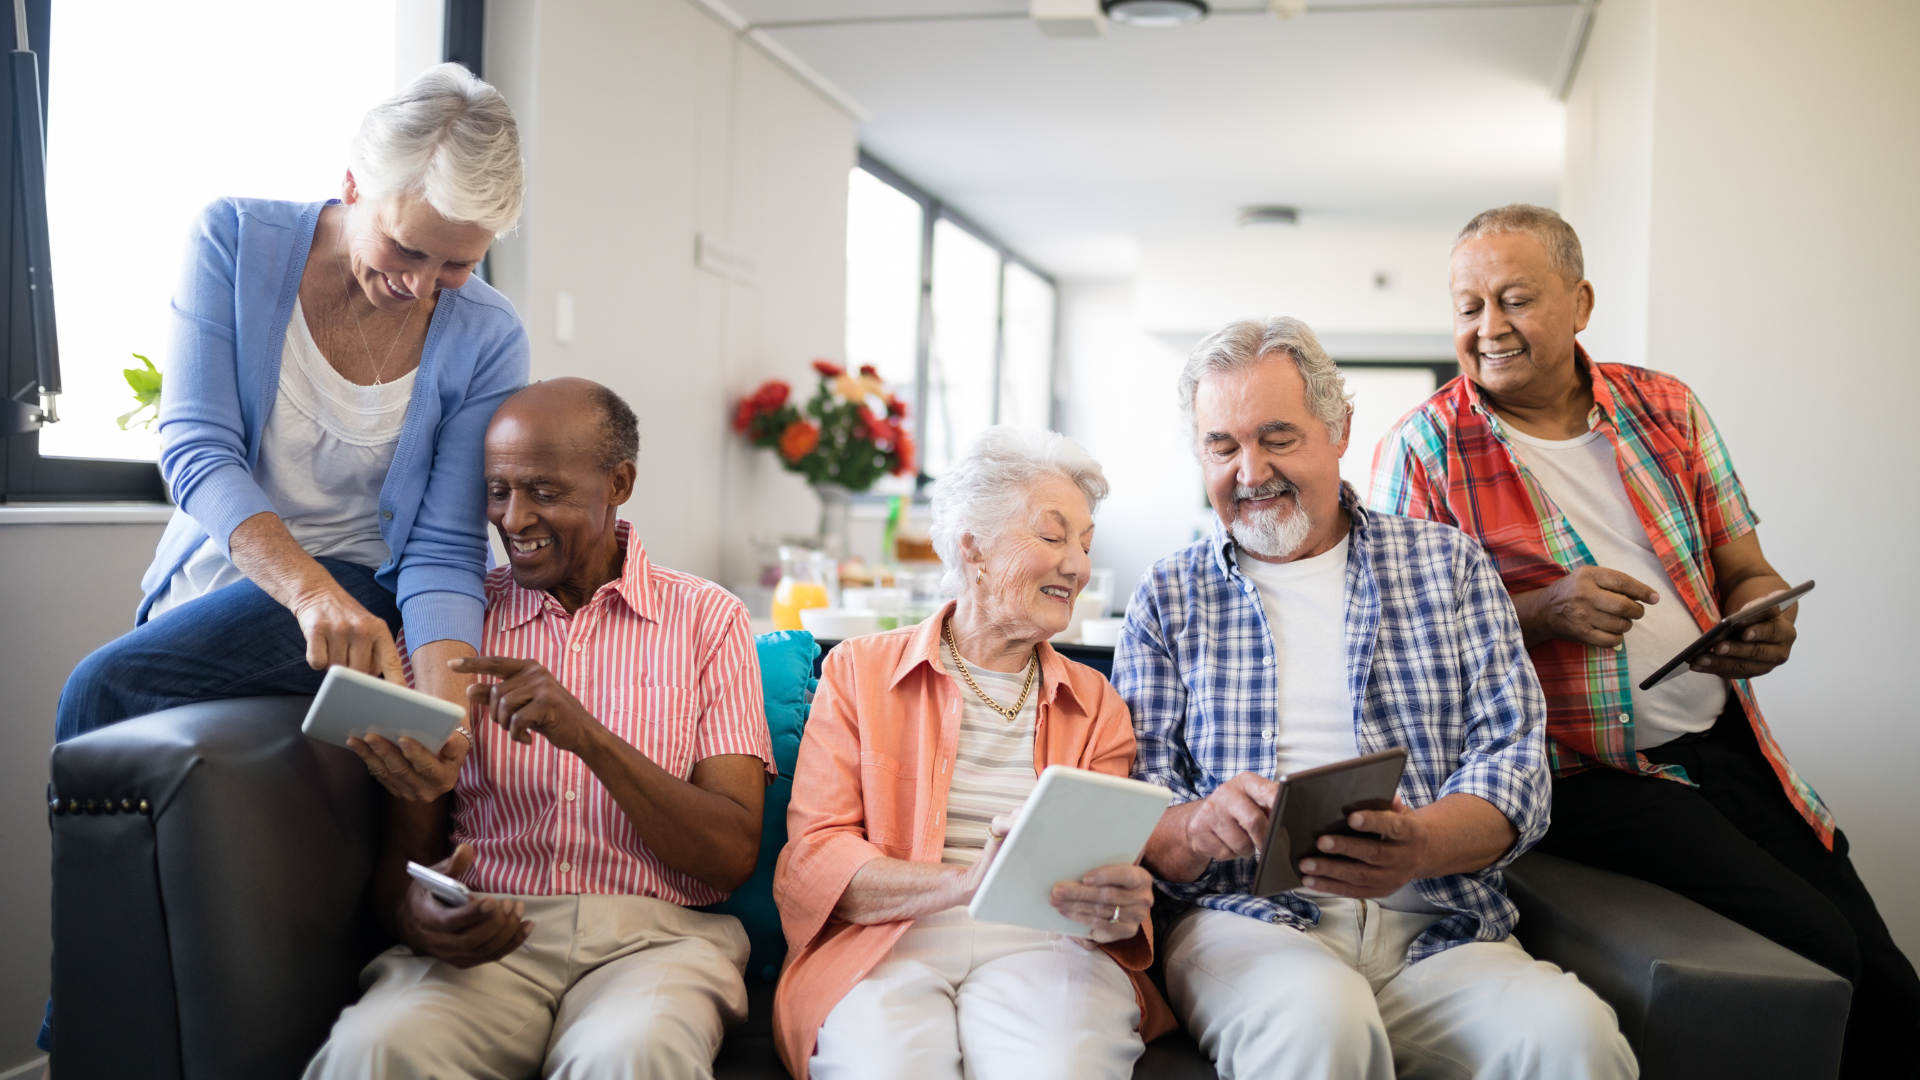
989,486
1243,344
450,140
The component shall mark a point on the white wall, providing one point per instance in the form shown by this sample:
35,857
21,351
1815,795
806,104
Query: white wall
647,123
1780,226
67,589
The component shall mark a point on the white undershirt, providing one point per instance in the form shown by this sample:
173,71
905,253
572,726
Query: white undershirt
1583,480
993,763
1306,606
324,456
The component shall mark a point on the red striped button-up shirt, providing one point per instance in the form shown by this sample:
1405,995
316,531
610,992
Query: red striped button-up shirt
663,660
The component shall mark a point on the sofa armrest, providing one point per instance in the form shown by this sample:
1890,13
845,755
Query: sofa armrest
218,931
1697,994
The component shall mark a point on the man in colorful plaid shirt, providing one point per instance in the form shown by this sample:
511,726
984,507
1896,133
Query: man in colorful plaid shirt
1610,505
1307,631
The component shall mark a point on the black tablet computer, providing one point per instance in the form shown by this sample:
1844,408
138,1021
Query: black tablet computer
1315,802
1723,630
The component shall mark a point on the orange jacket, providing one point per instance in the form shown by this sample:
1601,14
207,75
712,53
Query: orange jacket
872,780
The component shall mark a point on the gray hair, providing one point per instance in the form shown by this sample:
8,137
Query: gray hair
1243,344
1552,230
449,139
989,485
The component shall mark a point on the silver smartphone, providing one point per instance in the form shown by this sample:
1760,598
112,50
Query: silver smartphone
444,889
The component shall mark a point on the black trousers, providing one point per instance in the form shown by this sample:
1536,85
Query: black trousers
1736,845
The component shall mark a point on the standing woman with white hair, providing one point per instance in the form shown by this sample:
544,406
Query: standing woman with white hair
333,369
918,741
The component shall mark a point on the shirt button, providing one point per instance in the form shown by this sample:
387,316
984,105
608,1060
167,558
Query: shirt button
566,868
1267,661
570,796
1267,734
1624,718
1620,647
386,515
576,646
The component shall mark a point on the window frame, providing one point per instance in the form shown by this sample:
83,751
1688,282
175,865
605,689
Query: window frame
933,210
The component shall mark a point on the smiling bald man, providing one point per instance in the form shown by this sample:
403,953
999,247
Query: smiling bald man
617,780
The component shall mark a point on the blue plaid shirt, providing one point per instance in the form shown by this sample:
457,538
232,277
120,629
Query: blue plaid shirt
1435,664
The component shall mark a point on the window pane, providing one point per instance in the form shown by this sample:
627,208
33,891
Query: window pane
1026,369
966,311
155,110
1381,396
883,280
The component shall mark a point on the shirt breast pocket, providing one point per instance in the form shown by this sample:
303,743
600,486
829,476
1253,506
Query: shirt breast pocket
889,791
659,721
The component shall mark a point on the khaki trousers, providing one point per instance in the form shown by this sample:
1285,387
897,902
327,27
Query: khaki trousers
605,987
1340,1002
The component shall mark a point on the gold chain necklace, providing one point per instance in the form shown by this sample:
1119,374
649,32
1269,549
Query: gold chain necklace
381,368
1033,670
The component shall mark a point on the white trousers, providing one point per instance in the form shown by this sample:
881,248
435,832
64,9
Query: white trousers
607,987
963,999
1340,1002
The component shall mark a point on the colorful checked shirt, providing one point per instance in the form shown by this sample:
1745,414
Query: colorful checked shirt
1435,664
663,660
1449,460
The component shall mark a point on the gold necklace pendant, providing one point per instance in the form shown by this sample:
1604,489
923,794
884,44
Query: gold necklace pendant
380,368
1033,671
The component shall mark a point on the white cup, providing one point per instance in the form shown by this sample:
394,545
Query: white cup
1101,631
839,623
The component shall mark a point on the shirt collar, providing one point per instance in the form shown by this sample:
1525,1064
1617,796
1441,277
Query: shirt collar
1604,403
928,643
517,606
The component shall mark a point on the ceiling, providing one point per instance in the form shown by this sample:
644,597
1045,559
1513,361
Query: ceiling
1077,151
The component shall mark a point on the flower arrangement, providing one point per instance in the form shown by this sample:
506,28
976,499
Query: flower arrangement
851,432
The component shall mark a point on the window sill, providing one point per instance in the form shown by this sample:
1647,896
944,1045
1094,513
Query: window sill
128,513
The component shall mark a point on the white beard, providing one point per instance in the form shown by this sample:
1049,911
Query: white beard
1271,534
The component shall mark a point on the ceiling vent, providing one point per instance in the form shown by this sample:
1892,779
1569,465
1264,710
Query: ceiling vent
1269,215
1155,12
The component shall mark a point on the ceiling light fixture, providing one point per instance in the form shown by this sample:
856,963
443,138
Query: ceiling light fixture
1155,12
1269,215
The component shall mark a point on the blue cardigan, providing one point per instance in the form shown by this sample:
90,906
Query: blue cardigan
245,258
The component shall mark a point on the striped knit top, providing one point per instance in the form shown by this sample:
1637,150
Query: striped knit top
993,764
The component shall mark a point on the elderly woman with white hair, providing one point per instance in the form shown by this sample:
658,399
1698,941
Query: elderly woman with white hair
922,741
333,368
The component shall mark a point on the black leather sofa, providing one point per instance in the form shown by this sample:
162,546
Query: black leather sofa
211,865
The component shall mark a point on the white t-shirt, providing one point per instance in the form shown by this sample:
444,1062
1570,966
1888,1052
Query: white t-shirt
324,456
1583,480
1306,605
993,764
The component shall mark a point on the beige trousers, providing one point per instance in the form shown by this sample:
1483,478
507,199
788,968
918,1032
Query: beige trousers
965,1000
1340,1002
606,987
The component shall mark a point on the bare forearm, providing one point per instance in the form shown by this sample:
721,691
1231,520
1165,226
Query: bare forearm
889,890
701,833
1738,594
415,831
431,675
1466,833
1169,856
267,553
1531,607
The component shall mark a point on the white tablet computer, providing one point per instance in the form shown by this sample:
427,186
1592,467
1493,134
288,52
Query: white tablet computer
1074,821
351,704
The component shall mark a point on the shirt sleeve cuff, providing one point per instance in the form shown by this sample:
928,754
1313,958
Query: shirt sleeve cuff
442,616
224,499
1505,788
810,886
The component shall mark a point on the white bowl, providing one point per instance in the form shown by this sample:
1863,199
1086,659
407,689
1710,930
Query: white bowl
839,623
1103,631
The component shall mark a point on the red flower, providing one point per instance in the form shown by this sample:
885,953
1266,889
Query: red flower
903,445
869,371
772,394
896,407
799,440
828,369
743,415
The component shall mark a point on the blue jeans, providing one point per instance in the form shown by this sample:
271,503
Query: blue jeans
234,642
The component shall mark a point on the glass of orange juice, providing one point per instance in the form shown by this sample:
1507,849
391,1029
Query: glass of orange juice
803,584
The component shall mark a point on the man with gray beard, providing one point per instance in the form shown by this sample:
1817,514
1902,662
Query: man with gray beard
1307,631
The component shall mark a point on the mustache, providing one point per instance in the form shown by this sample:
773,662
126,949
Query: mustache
1272,489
